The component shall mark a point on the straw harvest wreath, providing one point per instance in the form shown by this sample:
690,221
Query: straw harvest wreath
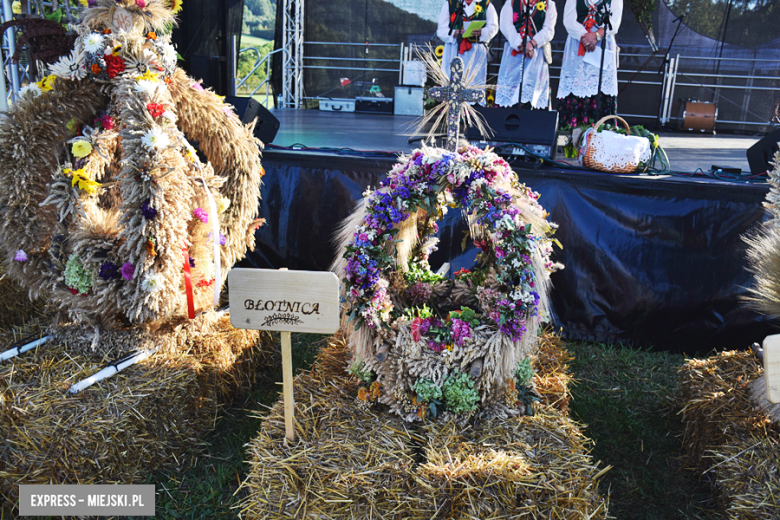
105,207
423,344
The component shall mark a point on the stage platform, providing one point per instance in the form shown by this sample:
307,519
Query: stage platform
652,260
389,133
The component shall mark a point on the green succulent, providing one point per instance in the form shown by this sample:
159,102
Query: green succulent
460,393
77,277
426,391
524,373
356,370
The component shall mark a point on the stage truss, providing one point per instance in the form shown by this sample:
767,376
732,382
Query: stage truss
292,57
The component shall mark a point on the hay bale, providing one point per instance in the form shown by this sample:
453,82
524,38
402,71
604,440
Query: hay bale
352,461
151,416
734,442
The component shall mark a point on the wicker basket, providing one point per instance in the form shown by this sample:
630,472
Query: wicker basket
625,151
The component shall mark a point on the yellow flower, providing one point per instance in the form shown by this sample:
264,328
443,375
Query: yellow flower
47,83
450,346
176,5
540,6
85,3
82,180
477,8
81,149
439,51
16,7
72,125
363,393
148,75
223,203
115,51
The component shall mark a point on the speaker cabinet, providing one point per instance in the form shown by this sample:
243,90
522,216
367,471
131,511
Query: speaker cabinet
249,109
536,130
762,152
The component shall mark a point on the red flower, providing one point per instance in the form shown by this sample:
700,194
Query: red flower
114,65
452,17
462,272
156,109
416,329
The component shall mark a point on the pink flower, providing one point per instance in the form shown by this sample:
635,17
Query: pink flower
140,3
515,17
201,215
128,270
20,256
198,86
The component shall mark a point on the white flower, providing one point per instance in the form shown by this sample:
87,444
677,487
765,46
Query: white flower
93,43
146,85
31,90
208,271
140,65
155,139
170,116
169,55
153,282
70,67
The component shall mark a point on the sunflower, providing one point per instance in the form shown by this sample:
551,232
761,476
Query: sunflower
477,9
540,6
176,5
439,51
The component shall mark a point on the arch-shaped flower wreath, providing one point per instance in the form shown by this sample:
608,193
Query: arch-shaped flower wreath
424,343
104,208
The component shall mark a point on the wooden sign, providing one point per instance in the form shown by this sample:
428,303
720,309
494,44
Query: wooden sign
295,301
284,301
122,20
772,367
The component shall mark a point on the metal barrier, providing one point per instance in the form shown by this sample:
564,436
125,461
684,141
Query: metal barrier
259,60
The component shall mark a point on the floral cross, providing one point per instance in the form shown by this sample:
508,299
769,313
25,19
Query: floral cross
455,94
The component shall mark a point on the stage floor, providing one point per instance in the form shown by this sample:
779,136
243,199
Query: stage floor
388,133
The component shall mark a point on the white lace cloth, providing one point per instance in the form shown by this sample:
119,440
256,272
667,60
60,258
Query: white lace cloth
582,79
536,79
616,152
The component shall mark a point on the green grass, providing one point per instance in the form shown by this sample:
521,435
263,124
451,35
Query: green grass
622,395
247,40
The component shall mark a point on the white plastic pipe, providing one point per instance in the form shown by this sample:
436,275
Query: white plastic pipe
15,351
111,370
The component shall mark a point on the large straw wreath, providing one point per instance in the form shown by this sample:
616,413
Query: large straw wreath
426,345
105,207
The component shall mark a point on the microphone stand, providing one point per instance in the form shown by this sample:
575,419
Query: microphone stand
459,37
607,26
527,10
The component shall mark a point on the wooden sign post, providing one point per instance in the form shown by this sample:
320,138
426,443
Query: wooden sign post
284,301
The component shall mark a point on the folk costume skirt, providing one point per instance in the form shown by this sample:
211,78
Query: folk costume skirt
474,59
578,99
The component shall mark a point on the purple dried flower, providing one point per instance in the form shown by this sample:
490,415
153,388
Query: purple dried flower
419,293
20,256
222,239
109,271
460,331
201,215
148,211
128,270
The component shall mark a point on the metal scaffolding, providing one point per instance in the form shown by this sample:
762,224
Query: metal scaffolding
292,57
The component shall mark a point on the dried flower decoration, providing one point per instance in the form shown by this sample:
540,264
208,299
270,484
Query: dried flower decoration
153,282
148,211
155,139
128,270
201,215
108,271
114,65
20,256
94,43
155,109
81,149
84,183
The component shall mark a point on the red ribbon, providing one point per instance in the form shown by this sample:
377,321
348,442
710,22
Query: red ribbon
465,46
188,283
